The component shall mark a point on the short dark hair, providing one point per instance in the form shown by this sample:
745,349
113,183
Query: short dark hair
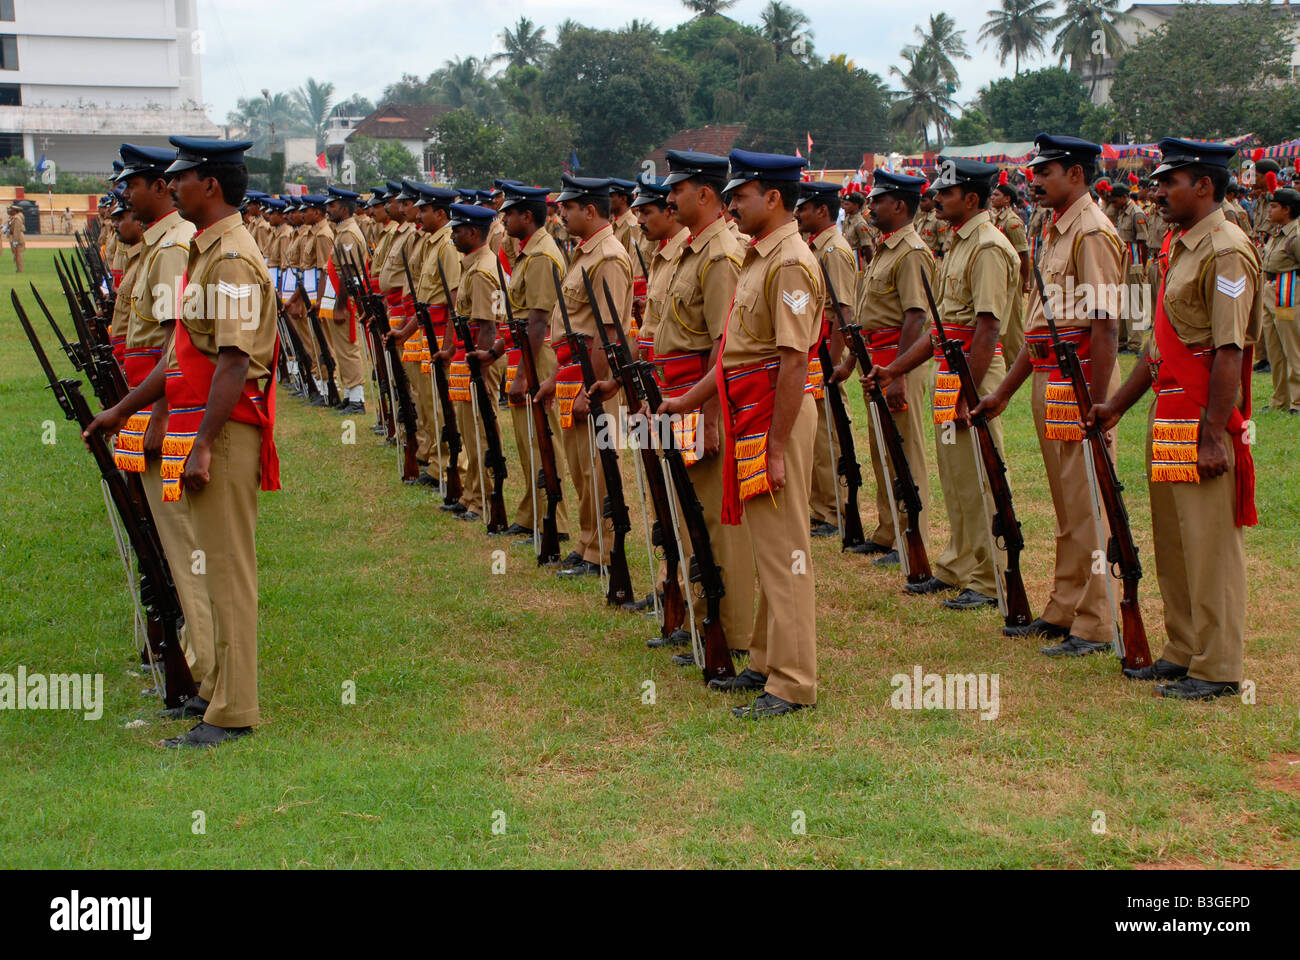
981,188
233,178
856,197
715,184
1292,205
536,207
910,200
832,204
349,205
1219,176
600,203
788,189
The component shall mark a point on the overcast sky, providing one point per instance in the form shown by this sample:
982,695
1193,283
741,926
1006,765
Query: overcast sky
362,46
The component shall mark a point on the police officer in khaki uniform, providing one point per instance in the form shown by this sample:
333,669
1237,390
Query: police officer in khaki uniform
314,252
219,435
585,205
130,233
1131,226
817,211
1208,313
893,313
14,229
857,231
339,317
532,298
1282,271
295,255
771,422
977,281
693,293
152,294
1002,204
1082,257
392,282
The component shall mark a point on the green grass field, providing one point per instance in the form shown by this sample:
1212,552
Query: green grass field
515,700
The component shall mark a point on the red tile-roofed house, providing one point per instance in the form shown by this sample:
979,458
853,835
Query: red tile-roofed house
411,124
715,139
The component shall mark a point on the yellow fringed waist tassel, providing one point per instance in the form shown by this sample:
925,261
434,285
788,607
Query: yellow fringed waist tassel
128,450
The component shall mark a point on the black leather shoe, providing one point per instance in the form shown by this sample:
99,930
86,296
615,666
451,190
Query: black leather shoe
195,706
352,406
1160,670
768,705
467,515
868,547
1262,367
889,559
583,568
970,599
207,735
1037,628
1190,688
424,480
518,530
573,557
318,401
747,679
1073,646
678,638
684,659
452,507
825,529
933,585
637,606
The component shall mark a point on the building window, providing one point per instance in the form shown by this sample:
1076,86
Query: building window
11,145
7,10
11,95
8,52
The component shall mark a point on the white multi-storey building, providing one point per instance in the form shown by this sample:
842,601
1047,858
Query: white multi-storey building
78,77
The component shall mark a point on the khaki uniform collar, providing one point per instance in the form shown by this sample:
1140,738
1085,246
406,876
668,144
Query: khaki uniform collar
535,241
701,239
154,232
823,239
597,238
1193,237
206,238
763,246
1073,212
675,245
894,239
969,227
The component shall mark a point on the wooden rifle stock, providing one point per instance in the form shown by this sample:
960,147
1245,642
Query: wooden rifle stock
326,354
1006,527
371,316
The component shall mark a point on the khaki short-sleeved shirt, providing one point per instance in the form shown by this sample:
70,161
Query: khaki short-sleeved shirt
661,263
605,259
386,234
893,283
980,274
532,281
475,297
155,292
122,305
700,291
438,249
1282,255
16,230
392,272
1038,222
349,237
627,231
275,249
1085,245
834,253
322,245
1213,292
1013,228
779,300
228,301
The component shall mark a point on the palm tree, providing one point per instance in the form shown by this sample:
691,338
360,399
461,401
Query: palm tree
782,26
258,114
1089,34
525,45
641,28
1019,28
924,99
708,8
942,43
314,100
464,83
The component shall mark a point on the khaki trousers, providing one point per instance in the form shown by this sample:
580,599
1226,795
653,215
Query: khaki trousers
421,395
521,418
1132,329
912,429
1201,567
1079,599
967,560
1282,335
732,550
349,362
590,486
784,642
825,481
1013,339
225,527
298,317
176,532
474,442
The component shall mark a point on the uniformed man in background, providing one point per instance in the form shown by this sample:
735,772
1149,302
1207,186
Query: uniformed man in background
1282,272
1131,226
1003,206
15,230
339,316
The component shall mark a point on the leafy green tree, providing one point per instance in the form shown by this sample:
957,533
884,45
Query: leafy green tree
708,8
1211,72
354,106
972,127
1019,28
257,115
942,42
535,147
378,160
410,89
525,45
1051,100
314,99
1089,33
623,92
783,26
724,58
925,98
472,148
844,109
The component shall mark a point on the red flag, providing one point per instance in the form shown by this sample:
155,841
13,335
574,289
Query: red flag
797,153
810,143
320,162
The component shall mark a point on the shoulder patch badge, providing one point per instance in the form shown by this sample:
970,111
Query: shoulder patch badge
797,300
1231,288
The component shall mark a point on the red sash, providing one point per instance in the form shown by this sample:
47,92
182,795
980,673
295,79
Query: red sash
749,397
187,397
1182,385
119,349
947,385
437,317
337,284
568,383
678,373
1061,420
